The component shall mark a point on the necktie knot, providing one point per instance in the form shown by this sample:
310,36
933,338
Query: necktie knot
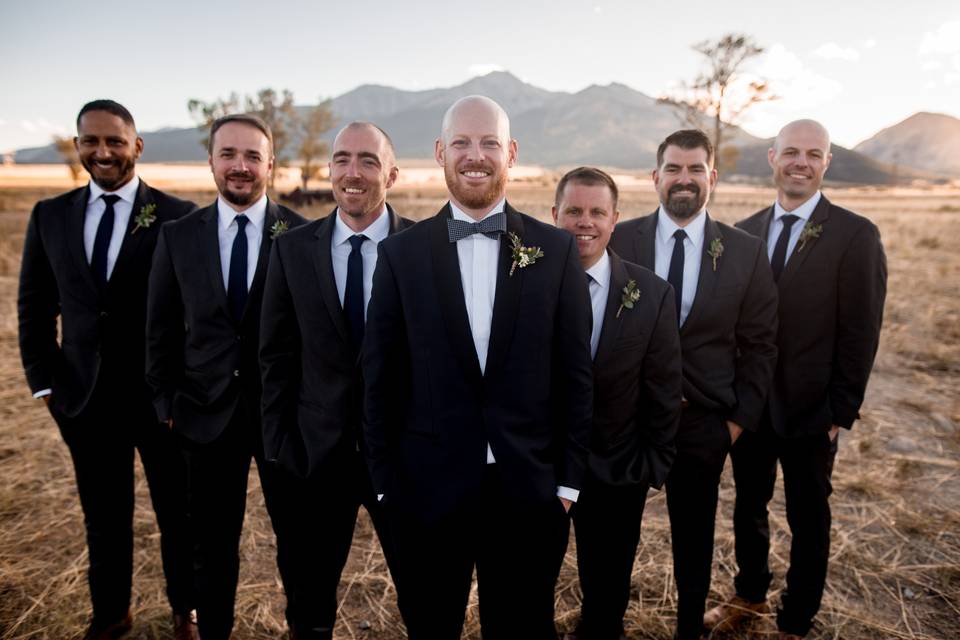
242,221
491,227
680,235
356,241
788,221
110,199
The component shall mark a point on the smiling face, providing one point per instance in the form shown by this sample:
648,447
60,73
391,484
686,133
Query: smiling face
362,168
799,158
684,182
108,148
589,213
241,162
476,152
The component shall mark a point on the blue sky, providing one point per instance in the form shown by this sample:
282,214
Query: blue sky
855,71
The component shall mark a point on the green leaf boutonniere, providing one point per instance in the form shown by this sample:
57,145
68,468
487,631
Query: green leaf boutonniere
522,256
715,251
145,218
279,227
630,296
809,233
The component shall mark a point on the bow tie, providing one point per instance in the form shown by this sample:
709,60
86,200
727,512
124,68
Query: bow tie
490,227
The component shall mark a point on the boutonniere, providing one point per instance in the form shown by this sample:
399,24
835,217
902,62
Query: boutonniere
279,227
630,296
522,256
809,233
145,218
715,251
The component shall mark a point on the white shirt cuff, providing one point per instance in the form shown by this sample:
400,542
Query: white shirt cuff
42,392
490,458
379,497
568,493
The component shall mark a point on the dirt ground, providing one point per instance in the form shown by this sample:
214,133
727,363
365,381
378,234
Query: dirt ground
895,556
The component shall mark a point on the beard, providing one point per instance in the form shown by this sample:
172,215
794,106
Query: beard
371,200
241,198
124,168
684,208
473,197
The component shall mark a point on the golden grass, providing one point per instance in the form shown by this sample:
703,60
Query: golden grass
895,558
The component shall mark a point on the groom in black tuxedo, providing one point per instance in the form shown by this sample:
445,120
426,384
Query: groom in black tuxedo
203,334
312,325
86,259
476,364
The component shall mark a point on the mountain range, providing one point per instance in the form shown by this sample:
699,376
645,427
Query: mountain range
611,126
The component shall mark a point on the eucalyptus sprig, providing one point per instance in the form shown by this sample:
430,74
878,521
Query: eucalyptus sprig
522,256
630,296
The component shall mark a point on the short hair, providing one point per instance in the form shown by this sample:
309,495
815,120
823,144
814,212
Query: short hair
251,119
686,139
589,176
111,107
364,123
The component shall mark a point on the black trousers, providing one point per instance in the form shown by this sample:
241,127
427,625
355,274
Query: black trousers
703,441
807,464
607,525
314,532
217,496
517,550
102,440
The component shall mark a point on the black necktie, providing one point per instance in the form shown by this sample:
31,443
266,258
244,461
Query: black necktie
237,277
490,227
675,274
780,250
353,295
101,243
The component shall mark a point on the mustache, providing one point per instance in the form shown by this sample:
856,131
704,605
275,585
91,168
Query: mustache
239,175
475,166
684,187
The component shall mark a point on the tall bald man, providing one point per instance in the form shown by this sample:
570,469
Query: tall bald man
477,372
831,275
312,325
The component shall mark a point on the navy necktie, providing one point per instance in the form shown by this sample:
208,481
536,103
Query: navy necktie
490,227
237,277
353,295
675,274
101,243
780,249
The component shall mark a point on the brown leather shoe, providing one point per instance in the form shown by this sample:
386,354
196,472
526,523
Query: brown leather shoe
185,626
733,613
110,631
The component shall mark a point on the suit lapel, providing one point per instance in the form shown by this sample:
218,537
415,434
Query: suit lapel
610,330
446,274
323,265
74,223
131,241
506,302
209,241
765,221
643,241
797,258
266,242
708,276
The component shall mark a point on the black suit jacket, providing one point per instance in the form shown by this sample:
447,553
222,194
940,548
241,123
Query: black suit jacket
98,325
200,361
430,412
637,381
312,387
831,307
729,337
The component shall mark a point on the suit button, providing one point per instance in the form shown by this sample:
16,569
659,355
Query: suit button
236,373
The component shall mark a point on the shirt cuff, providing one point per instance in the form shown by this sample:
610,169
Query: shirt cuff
42,392
570,494
379,497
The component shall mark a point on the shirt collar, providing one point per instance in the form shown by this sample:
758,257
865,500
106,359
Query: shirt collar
377,231
666,227
600,271
803,212
460,215
127,193
255,214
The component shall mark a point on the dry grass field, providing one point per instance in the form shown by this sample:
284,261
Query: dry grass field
895,558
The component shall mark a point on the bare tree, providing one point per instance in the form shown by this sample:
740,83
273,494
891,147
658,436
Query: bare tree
68,152
312,149
206,112
721,92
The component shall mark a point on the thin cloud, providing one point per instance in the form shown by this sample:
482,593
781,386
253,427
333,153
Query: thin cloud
869,43
483,68
833,51
28,126
945,40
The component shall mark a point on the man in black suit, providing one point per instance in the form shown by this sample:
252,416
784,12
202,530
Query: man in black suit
637,388
831,275
86,258
476,365
727,305
312,324
203,333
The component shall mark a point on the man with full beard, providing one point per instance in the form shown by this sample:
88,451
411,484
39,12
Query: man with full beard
477,372
203,330
86,258
727,305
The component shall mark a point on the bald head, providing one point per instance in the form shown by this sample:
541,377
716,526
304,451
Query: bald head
471,109
369,127
809,129
363,167
799,157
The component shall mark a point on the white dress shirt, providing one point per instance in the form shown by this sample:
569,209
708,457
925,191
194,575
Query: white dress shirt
340,252
599,292
803,212
692,254
227,231
122,209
